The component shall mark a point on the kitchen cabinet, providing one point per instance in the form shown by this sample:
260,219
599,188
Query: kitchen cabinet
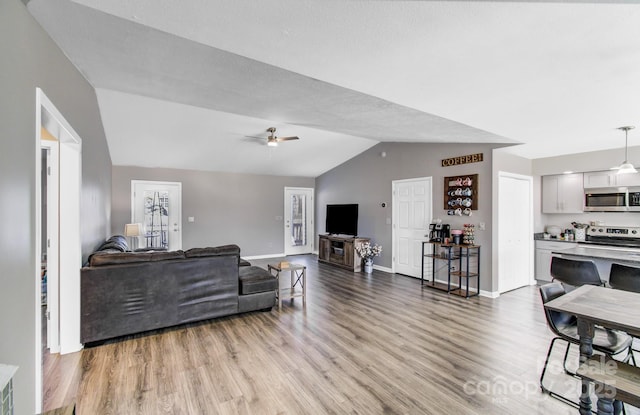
610,178
562,193
543,257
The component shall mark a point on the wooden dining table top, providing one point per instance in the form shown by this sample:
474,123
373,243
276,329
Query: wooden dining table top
614,309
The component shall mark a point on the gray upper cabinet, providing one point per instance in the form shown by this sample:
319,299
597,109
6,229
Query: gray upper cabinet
562,193
609,178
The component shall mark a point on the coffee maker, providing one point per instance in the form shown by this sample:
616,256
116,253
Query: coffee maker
438,232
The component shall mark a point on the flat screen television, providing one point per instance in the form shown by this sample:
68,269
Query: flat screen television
342,219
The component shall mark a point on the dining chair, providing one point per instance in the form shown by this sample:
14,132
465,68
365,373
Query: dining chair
627,278
565,327
624,277
575,273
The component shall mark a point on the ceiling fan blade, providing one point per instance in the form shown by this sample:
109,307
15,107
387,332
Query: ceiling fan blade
287,138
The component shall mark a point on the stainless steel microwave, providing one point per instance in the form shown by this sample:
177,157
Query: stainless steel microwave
633,199
609,199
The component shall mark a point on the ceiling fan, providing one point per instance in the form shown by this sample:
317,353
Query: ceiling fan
272,140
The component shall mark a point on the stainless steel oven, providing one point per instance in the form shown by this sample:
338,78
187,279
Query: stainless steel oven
610,199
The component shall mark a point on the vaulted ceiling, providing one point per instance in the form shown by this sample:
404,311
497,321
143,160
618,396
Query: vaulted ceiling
190,83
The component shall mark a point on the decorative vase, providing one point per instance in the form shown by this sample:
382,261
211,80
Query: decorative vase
368,265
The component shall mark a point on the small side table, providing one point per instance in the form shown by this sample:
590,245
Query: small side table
298,276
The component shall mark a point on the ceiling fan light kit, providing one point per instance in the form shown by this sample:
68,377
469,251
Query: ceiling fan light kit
626,167
272,140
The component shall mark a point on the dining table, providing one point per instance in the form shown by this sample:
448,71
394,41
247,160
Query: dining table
613,380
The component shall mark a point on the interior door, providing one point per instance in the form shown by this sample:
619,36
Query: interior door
158,207
412,212
51,246
515,230
298,220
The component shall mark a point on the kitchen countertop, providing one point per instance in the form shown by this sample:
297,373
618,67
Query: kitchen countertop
539,237
603,252
617,244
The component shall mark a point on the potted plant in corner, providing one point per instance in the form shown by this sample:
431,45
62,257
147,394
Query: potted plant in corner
367,252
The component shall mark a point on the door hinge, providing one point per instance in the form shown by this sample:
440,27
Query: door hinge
48,171
48,243
48,315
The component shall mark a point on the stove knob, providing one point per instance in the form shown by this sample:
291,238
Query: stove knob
600,230
634,231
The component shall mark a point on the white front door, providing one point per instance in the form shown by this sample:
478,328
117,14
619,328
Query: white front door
158,207
412,212
298,220
515,230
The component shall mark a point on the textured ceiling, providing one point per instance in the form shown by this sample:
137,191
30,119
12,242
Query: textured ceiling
189,78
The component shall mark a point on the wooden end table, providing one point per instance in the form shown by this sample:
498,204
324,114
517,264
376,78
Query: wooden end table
298,276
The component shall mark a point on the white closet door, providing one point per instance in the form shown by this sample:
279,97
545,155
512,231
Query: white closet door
515,231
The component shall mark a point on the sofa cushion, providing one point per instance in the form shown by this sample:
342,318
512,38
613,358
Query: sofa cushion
117,242
99,259
213,251
256,280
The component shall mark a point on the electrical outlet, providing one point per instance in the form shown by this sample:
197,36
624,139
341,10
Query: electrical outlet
482,226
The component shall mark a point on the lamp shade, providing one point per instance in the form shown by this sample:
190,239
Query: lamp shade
627,168
132,229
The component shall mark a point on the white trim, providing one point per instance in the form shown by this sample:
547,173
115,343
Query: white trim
265,256
489,294
70,243
384,269
38,250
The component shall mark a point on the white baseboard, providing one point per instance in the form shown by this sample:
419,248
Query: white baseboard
267,256
76,347
383,269
489,294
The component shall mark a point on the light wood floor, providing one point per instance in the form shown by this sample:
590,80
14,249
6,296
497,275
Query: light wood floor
365,344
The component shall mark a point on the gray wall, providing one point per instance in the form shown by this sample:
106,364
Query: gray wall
229,208
30,59
366,179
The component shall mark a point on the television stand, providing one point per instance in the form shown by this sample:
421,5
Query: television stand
339,250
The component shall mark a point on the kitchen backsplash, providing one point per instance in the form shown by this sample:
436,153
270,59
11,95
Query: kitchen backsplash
609,218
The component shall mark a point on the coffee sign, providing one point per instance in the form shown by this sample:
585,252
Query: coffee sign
454,161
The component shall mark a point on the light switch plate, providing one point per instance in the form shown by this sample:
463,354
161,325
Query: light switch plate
191,219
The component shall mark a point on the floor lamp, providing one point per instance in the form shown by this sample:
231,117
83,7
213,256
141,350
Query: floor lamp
133,231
